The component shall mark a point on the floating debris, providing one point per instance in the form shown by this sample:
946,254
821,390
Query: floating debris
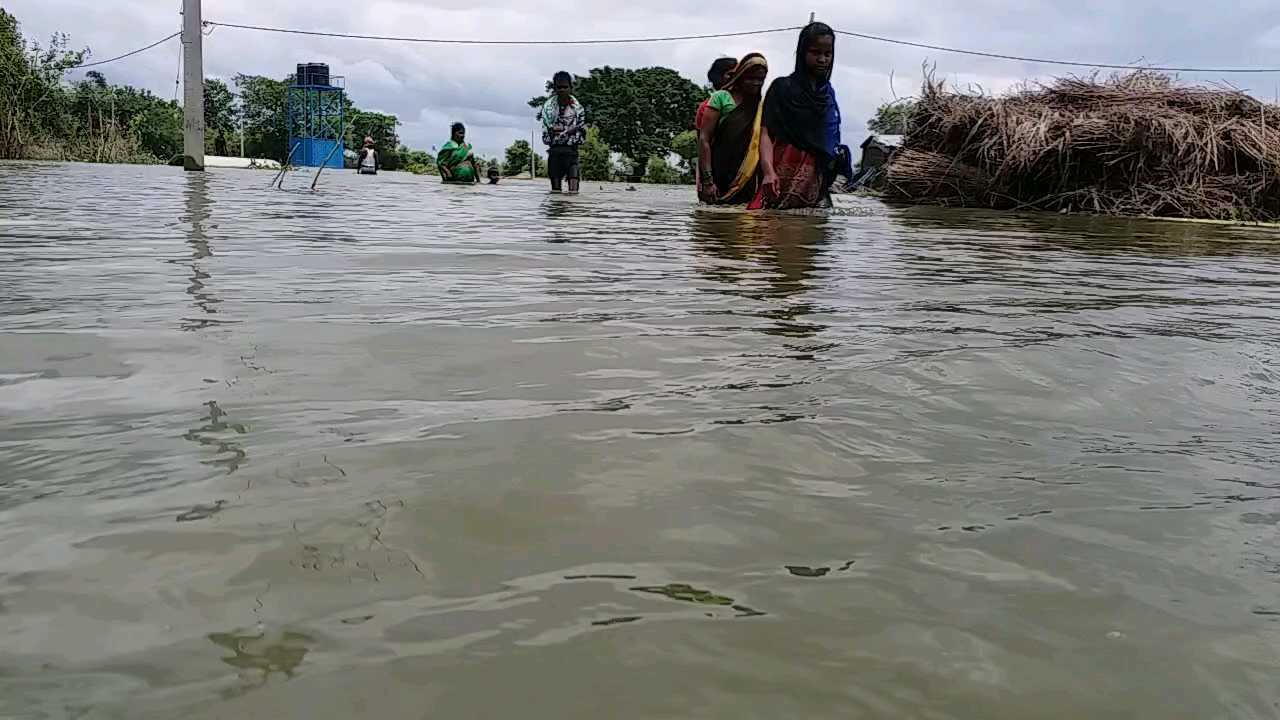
617,621
808,572
202,512
686,593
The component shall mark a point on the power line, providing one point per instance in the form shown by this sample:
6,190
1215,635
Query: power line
447,41
128,54
177,76
1045,61
744,33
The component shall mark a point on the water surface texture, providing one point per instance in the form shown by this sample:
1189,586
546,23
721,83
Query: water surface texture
399,450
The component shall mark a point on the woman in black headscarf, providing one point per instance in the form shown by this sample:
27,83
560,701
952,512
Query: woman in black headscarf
801,127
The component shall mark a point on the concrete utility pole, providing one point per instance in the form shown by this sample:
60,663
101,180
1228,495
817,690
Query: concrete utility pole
193,86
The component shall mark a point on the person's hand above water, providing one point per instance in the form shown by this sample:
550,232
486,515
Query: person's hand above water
708,192
771,185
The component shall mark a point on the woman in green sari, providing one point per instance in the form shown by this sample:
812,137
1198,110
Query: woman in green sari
457,161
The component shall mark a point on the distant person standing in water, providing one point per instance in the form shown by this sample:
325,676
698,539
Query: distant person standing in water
801,135
457,160
564,128
367,161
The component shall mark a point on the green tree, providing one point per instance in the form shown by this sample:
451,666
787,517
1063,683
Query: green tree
158,130
262,104
220,111
419,162
382,128
517,159
686,146
119,123
659,171
593,157
33,101
895,118
638,111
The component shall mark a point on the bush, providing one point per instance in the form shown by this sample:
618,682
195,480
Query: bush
593,157
660,172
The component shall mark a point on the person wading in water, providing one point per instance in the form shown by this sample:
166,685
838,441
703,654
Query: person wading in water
801,128
564,128
367,162
457,160
729,141
717,76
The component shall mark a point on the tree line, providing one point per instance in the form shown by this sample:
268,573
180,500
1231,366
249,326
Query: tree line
638,118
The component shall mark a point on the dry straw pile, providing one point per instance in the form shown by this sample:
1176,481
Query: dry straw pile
1136,144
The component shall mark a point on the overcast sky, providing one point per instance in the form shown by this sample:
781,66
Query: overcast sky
428,87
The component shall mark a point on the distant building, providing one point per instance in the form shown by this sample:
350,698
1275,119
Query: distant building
878,149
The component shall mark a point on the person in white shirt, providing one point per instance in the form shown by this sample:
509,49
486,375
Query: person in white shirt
367,161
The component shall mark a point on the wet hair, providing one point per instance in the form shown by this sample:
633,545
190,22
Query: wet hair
718,68
562,75
808,36
456,127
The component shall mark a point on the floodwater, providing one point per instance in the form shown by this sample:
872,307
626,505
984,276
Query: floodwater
399,450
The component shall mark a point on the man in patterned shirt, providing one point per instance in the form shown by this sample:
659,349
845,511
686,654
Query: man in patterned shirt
564,128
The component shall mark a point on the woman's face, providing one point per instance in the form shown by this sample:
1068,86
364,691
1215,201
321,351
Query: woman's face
819,56
459,135
753,80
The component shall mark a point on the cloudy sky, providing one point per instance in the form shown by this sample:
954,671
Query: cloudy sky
428,87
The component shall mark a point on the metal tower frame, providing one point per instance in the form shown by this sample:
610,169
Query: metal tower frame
316,116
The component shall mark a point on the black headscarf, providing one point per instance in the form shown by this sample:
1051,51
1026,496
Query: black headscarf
795,108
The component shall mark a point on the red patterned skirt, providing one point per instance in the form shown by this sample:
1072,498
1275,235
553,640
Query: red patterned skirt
800,182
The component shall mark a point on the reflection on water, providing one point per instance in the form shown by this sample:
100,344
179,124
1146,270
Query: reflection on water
259,656
766,258
197,216
220,435
615,454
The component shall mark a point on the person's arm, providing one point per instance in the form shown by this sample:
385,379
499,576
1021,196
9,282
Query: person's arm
769,176
579,126
707,190
360,159
377,161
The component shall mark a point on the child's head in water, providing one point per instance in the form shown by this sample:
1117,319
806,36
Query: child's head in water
816,51
720,71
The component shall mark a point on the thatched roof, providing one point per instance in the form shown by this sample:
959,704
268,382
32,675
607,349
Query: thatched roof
1139,144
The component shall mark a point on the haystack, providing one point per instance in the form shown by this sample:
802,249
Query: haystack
1135,144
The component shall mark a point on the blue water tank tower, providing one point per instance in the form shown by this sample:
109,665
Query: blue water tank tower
315,109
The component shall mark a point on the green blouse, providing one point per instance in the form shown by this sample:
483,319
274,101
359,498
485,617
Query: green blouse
722,102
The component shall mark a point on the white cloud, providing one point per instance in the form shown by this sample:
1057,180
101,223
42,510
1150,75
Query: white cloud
429,86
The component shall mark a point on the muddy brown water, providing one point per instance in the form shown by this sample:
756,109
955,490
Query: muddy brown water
398,450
